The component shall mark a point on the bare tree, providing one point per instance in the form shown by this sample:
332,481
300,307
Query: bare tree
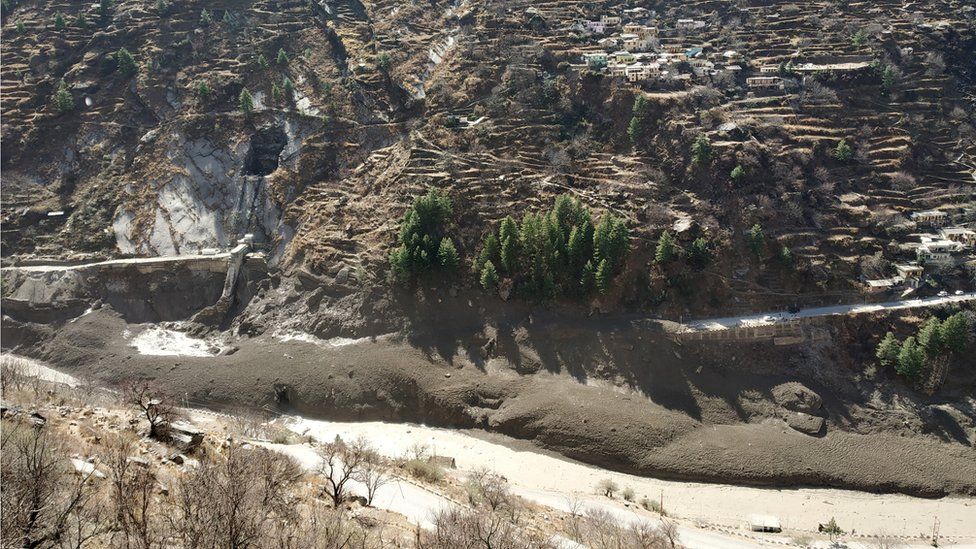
373,472
42,502
153,405
341,463
669,529
458,529
136,512
485,486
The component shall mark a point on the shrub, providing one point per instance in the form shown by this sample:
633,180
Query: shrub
606,487
737,174
628,494
125,63
700,254
424,470
756,240
785,257
383,61
203,90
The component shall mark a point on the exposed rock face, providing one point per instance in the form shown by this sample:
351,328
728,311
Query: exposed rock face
796,397
212,193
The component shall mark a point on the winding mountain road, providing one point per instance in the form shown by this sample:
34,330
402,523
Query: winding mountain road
764,319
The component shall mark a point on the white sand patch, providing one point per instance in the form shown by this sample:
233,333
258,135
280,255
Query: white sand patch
550,479
335,342
159,341
33,368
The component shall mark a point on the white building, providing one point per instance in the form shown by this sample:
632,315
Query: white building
596,27
935,218
595,59
610,20
962,235
935,249
764,82
689,24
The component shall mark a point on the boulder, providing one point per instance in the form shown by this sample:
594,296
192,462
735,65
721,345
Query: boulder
796,397
806,424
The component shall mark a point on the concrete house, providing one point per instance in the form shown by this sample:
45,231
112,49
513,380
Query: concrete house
937,250
764,82
595,60
962,235
610,20
596,27
932,218
689,24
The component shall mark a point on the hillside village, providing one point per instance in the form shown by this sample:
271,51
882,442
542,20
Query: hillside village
718,246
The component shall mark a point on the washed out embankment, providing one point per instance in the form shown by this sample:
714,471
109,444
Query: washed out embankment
388,379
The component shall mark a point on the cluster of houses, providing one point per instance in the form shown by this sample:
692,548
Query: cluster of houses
942,245
938,248
631,49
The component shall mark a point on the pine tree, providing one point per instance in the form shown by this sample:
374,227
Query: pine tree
227,18
508,229
104,7
843,152
701,150
282,57
508,255
58,21
447,255
276,93
887,79
785,257
664,252
603,276
80,21
888,349
262,61
930,337
954,332
205,18
588,277
699,254
203,90
288,88
489,276
162,8
125,63
756,240
63,99
490,251
639,114
911,359
246,101
21,27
